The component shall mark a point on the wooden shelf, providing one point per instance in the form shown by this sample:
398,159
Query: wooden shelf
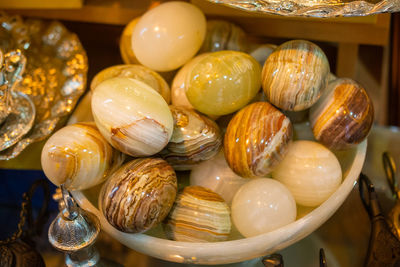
115,12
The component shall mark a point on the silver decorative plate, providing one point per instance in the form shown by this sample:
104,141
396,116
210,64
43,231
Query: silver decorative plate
314,8
54,77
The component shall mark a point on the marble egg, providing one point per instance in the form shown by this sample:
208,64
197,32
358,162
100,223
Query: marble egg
294,75
178,87
216,175
79,157
139,195
262,52
256,139
125,43
138,72
167,36
224,35
223,82
262,205
310,171
344,115
195,138
133,117
198,215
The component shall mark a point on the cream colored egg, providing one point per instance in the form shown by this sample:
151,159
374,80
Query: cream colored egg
167,36
310,171
79,157
262,205
216,175
135,71
133,117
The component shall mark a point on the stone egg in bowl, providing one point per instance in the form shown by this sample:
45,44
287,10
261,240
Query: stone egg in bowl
238,248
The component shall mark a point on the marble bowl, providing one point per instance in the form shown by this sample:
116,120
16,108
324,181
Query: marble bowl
154,243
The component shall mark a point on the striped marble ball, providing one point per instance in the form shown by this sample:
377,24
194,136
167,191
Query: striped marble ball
343,116
139,195
198,215
294,75
195,138
257,139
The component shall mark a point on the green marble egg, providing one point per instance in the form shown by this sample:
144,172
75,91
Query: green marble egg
223,82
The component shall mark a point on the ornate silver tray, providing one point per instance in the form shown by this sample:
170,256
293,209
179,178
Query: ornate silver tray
314,8
54,77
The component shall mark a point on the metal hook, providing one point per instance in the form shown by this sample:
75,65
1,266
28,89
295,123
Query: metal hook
384,247
369,201
390,170
322,258
70,210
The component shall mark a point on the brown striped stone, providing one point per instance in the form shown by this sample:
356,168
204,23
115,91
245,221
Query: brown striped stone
223,35
343,116
198,215
139,195
202,193
195,138
294,75
257,139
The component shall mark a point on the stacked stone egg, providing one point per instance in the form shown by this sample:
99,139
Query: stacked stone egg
246,169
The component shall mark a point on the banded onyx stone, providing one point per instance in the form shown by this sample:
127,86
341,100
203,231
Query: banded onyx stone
223,82
139,195
168,35
216,175
79,157
262,52
224,35
294,75
125,43
134,71
257,139
343,116
195,138
198,215
132,116
310,171
262,205
178,87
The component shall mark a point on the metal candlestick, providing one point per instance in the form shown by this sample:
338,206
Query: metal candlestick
74,232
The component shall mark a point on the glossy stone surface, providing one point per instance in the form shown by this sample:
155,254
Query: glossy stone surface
262,205
139,195
178,87
125,43
224,35
257,139
198,215
79,157
133,117
216,175
138,72
239,249
262,52
344,115
295,74
195,138
223,82
167,36
310,171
